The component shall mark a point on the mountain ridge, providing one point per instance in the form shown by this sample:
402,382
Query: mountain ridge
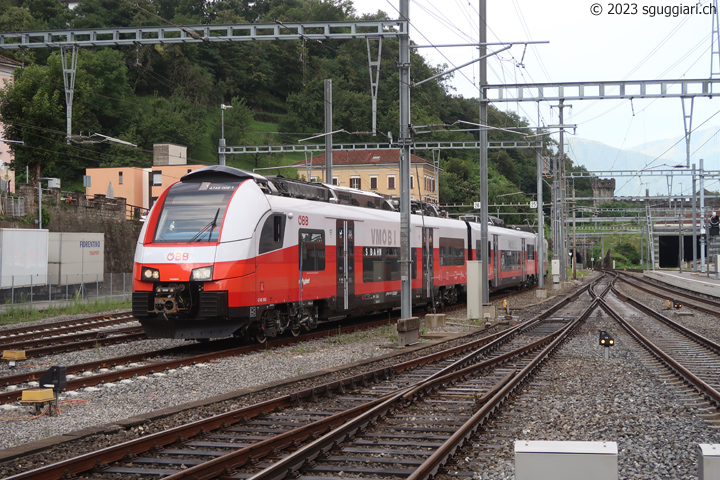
663,154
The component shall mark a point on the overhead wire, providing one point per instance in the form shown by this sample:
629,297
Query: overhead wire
670,148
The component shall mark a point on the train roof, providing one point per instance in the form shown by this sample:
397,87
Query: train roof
220,173
321,192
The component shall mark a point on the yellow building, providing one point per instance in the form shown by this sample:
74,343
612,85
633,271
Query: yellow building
374,170
142,186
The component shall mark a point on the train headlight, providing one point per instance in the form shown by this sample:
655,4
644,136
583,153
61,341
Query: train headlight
202,274
150,274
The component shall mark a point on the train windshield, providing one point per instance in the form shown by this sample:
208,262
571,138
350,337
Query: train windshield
193,212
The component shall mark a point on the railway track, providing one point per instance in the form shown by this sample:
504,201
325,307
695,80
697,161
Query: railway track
689,356
108,329
450,389
120,368
704,304
71,335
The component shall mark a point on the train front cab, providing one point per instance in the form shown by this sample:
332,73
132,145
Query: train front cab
194,271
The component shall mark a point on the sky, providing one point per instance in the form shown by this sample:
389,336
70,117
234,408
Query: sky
585,43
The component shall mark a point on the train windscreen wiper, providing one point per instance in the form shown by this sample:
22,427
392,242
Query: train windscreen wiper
207,228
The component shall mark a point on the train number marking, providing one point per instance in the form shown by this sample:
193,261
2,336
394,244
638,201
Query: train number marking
303,220
178,256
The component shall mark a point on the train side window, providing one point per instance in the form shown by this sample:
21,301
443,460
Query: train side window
312,250
381,264
273,232
452,252
531,253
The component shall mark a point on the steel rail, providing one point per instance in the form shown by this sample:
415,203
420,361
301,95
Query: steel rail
678,369
694,336
83,463
115,453
690,300
100,327
8,397
296,460
61,324
104,363
57,343
440,457
75,383
111,454
217,466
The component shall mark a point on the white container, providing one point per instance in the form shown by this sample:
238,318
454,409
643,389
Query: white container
542,460
76,258
708,462
23,257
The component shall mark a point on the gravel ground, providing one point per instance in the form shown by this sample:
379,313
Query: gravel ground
627,399
106,404
624,399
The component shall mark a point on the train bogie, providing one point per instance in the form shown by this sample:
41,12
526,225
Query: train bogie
227,252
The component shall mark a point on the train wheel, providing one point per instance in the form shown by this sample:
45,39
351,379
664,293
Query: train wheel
295,330
260,336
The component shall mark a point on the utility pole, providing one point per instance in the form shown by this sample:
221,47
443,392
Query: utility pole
562,206
574,250
483,148
694,215
404,143
702,219
541,220
223,107
328,130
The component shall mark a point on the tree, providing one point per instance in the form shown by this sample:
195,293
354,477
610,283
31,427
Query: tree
33,111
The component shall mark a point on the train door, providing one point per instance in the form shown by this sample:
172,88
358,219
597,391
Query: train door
427,261
495,261
523,261
345,263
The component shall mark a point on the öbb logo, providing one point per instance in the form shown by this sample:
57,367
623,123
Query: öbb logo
178,256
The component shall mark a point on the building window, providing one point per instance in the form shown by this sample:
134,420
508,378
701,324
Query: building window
412,182
391,182
373,183
355,182
120,178
156,179
335,181
189,170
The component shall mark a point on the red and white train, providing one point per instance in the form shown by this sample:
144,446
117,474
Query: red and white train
228,252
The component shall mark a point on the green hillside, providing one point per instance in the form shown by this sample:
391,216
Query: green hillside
150,94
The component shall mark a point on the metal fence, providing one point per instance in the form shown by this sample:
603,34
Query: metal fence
13,206
29,290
